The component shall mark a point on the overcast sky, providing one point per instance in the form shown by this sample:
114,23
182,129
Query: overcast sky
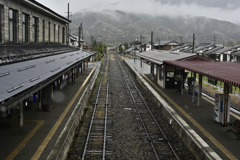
228,10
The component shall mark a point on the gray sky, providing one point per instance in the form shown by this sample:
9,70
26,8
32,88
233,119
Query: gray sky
228,10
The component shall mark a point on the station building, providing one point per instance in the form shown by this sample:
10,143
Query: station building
29,22
35,59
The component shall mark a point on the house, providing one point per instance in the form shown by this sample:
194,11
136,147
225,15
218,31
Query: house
73,40
136,45
210,53
146,46
225,54
181,48
236,56
202,48
165,45
86,46
110,47
128,51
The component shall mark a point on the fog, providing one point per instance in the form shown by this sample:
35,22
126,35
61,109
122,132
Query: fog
227,10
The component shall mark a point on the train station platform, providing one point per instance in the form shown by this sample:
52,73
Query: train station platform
41,129
200,119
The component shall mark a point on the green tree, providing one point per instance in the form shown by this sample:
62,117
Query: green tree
229,43
238,42
120,48
126,45
94,43
101,48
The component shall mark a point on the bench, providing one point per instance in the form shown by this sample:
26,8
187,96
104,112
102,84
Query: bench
234,127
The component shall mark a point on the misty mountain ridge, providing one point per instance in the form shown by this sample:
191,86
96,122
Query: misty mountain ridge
115,25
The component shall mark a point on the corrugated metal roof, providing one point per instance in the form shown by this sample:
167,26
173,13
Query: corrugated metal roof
225,49
237,53
213,50
203,47
129,50
178,47
17,77
188,49
158,56
164,43
223,71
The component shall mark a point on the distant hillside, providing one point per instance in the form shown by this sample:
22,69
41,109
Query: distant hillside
113,25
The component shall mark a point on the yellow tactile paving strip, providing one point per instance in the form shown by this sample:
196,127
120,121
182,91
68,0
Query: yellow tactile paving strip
207,134
26,139
52,131
60,119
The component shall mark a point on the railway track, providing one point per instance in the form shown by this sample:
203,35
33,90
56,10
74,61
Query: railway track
122,123
95,145
162,147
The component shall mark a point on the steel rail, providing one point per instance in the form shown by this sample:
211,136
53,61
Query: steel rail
106,115
92,119
169,144
144,126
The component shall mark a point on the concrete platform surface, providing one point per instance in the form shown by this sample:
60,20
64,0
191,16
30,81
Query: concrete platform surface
41,129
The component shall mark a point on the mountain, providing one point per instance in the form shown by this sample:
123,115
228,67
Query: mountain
117,26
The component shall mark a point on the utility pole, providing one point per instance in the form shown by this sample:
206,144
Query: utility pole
92,42
141,42
159,43
68,24
82,34
79,36
152,40
214,39
181,38
193,42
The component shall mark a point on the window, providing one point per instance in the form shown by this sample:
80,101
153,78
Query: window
34,29
49,31
170,74
43,30
63,35
58,31
1,23
161,72
54,32
24,28
12,25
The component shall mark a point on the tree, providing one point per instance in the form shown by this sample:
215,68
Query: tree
229,43
101,48
94,43
238,42
126,45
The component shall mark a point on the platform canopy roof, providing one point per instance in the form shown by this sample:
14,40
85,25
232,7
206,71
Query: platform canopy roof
227,72
18,77
158,56
93,53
